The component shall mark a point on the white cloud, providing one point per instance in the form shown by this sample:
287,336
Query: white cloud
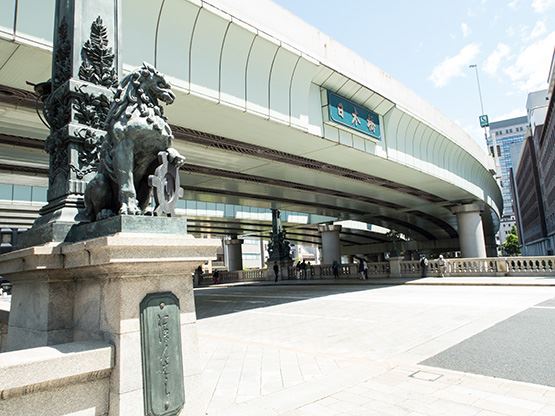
517,112
538,30
530,69
454,66
493,61
521,31
419,47
466,31
540,6
514,4
475,131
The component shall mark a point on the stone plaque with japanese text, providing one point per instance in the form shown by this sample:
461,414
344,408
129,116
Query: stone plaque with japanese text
163,389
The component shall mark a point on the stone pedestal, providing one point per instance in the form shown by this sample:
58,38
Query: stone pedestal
331,246
471,231
233,254
283,273
92,290
395,266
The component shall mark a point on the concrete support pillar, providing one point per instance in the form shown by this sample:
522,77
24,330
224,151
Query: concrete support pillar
471,231
331,247
233,254
491,244
262,251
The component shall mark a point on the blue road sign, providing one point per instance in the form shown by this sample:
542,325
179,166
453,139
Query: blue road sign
347,113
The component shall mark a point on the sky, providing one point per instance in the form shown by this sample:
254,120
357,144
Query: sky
428,45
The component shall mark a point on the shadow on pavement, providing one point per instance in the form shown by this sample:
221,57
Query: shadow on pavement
519,348
216,301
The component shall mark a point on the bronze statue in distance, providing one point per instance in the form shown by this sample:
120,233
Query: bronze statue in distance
136,131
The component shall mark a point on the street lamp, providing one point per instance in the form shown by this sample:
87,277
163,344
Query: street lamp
480,94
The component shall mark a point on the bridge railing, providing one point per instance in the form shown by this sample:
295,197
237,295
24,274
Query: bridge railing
325,271
526,265
475,267
410,268
486,267
378,269
238,276
458,267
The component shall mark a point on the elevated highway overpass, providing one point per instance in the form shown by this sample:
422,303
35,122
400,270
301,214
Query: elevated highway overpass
258,96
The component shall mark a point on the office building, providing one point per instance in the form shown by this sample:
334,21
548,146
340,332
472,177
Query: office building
504,134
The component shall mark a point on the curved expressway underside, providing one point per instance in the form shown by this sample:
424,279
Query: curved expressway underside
253,116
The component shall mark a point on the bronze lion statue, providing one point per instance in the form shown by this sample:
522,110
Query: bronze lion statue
136,131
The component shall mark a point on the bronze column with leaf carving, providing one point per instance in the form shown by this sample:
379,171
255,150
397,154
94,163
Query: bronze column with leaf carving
85,72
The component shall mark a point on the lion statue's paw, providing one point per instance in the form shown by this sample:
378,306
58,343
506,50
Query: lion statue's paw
105,213
129,209
175,157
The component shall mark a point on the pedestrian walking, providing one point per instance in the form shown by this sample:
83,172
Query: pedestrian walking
335,269
361,268
423,266
303,270
365,269
442,264
276,270
198,276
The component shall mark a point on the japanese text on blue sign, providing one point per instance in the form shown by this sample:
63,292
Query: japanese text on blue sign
354,116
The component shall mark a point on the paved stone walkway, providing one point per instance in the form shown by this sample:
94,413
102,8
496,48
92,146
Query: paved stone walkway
295,350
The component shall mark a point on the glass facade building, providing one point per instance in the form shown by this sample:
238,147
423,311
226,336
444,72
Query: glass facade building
503,135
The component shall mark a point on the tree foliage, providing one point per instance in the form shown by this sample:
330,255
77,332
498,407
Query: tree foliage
511,246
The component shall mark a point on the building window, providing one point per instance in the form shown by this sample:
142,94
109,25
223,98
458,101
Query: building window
498,151
491,151
22,193
6,191
38,194
7,238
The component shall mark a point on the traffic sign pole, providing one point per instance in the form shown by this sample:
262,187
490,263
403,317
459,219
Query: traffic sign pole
481,101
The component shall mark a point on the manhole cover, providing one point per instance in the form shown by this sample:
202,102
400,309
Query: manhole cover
426,376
